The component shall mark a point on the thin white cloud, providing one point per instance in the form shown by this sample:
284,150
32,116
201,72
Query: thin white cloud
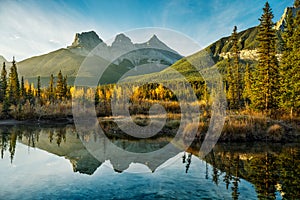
28,30
225,16
209,21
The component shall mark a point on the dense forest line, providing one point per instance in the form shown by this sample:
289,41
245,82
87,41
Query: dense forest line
272,85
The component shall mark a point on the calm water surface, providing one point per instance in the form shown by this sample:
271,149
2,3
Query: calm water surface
52,163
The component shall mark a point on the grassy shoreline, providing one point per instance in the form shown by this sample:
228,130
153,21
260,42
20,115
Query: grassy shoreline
237,128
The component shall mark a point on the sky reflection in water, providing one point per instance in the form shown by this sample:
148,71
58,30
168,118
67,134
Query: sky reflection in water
59,167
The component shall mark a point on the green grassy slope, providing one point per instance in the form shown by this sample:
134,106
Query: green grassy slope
51,63
246,40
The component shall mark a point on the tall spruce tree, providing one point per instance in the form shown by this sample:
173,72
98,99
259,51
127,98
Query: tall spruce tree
234,85
14,85
230,93
237,85
290,68
65,87
51,88
265,88
60,86
3,83
22,88
295,80
6,107
293,74
247,85
38,94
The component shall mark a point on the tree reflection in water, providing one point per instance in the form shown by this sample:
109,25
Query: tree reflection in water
30,136
271,168
189,160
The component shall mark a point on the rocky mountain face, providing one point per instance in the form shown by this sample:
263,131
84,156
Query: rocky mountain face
281,23
123,48
123,55
154,42
246,41
87,40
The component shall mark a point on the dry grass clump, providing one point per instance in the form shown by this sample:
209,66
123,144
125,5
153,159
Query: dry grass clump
235,129
141,121
37,111
172,124
275,132
189,131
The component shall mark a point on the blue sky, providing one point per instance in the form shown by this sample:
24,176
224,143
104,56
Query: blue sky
31,28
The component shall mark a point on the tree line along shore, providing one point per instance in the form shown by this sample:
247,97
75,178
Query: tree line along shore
263,97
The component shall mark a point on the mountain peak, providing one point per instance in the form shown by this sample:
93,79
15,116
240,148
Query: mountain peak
154,37
154,40
88,40
121,36
281,23
121,39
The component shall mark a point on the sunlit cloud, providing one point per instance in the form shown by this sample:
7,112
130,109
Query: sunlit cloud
28,30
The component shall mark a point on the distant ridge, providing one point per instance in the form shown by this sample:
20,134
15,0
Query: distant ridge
69,59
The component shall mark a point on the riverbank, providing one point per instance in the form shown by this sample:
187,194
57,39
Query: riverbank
237,128
40,121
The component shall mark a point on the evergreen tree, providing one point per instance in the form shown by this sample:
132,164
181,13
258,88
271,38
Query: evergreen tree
290,68
6,107
295,75
265,91
65,87
3,83
51,88
288,32
14,85
247,85
237,85
231,95
38,87
60,86
22,89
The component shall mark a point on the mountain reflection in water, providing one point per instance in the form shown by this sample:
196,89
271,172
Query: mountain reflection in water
272,169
